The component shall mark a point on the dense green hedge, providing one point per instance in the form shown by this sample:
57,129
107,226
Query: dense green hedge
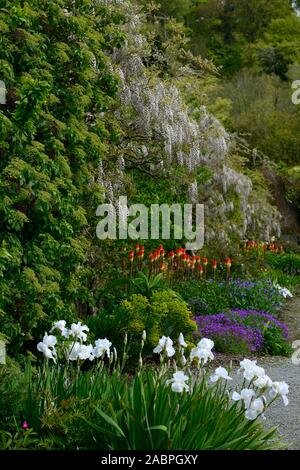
52,137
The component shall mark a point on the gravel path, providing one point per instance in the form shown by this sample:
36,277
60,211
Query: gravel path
280,369
287,418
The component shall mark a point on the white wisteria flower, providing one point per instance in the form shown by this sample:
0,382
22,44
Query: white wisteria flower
246,395
256,408
181,341
280,389
165,344
220,373
77,330
61,326
179,382
47,346
102,346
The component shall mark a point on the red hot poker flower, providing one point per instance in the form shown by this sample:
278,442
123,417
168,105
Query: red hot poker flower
205,261
163,267
214,264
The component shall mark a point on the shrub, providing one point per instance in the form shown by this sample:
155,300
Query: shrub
212,297
11,391
288,263
164,312
173,314
50,154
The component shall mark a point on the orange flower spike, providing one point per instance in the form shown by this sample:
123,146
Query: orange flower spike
137,247
214,264
131,256
205,261
163,267
200,269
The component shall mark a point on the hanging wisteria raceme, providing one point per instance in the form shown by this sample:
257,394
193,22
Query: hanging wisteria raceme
160,131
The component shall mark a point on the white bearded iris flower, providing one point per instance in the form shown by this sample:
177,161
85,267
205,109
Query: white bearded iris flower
206,343
179,382
263,382
102,347
181,341
280,389
77,330
251,370
47,346
86,352
220,373
165,344
61,326
74,351
246,395
256,408
203,350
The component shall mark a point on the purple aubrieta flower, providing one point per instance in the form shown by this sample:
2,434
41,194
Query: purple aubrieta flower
243,327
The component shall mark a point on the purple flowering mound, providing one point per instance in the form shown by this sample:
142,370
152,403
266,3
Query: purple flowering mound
245,331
